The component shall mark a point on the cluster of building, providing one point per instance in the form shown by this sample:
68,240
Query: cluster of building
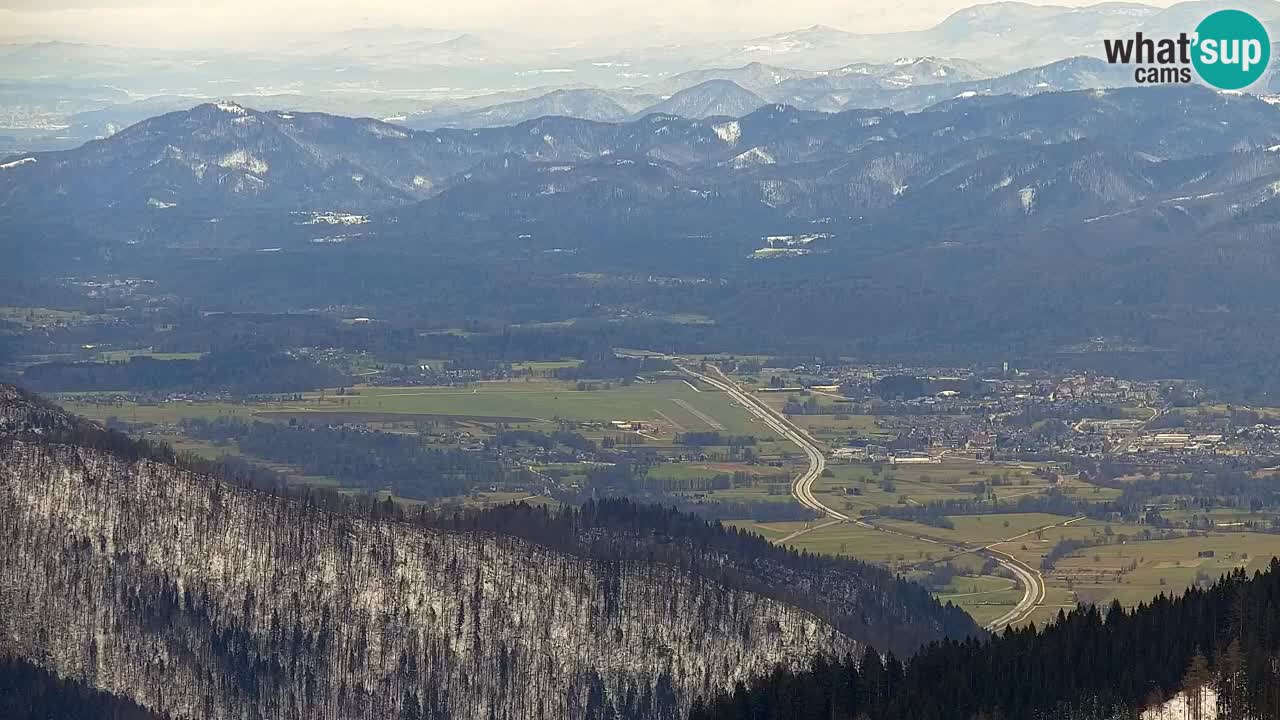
1000,413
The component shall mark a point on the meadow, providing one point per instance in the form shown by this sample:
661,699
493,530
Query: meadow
665,404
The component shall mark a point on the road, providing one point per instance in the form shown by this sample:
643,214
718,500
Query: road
802,486
1029,578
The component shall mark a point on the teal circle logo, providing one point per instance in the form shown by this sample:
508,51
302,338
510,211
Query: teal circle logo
1231,49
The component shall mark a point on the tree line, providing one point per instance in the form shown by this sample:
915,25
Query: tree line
1089,664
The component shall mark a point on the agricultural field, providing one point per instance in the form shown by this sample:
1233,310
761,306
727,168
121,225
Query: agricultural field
1137,571
30,317
864,486
985,597
980,529
849,540
672,405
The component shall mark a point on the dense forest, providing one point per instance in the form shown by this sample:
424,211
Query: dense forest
865,601
1089,664
29,692
206,597
364,459
199,589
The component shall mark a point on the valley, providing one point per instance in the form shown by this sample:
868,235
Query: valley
692,432
494,361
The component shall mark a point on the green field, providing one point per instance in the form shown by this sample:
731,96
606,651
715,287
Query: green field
671,405
862,486
984,597
664,403
166,413
35,317
979,529
1137,571
864,543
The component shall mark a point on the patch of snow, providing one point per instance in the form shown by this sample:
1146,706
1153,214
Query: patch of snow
160,204
1027,198
334,239
967,94
230,107
379,130
421,182
770,252
16,163
243,160
334,218
754,156
1193,197
1111,215
729,132
1179,707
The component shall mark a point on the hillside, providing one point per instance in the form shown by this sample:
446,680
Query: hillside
212,599
1213,651
1135,213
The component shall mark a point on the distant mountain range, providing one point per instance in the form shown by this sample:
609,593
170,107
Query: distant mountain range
1148,213
1003,35
57,93
1072,155
905,84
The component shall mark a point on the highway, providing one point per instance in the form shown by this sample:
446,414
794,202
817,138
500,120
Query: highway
1028,577
802,486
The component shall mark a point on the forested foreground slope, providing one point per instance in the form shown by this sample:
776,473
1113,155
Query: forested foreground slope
202,598
1216,651
28,692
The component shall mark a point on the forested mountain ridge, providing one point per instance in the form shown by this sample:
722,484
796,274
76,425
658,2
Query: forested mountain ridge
866,602
1217,647
218,158
201,598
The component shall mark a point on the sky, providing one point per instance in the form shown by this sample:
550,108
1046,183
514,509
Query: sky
232,23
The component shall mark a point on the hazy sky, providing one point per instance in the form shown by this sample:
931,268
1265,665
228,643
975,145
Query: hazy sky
240,22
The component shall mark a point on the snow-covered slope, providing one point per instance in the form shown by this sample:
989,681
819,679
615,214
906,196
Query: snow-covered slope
204,600
1182,707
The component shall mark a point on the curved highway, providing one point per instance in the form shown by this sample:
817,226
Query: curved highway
1029,578
802,486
